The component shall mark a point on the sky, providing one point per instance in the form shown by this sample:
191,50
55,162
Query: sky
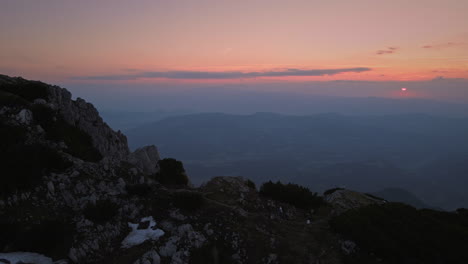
366,44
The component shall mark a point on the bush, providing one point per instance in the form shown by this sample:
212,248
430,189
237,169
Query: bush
141,190
190,201
463,212
101,212
9,99
25,164
52,237
293,194
28,90
399,233
172,172
251,185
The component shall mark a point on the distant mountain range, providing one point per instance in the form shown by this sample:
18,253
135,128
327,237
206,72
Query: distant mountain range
367,153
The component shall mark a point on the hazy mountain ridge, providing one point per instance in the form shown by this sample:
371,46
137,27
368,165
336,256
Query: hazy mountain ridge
322,151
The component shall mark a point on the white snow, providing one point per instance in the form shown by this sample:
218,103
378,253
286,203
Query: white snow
138,236
25,257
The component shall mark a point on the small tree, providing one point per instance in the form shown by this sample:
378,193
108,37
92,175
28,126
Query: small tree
171,171
291,193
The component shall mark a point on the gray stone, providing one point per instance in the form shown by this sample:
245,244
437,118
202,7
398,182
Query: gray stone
146,159
25,117
50,187
40,101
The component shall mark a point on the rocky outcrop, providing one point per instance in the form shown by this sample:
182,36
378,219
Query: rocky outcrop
343,200
18,92
146,159
85,116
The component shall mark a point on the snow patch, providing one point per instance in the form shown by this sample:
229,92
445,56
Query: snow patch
25,257
138,236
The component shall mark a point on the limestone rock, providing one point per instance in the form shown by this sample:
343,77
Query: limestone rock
343,200
84,115
25,116
146,159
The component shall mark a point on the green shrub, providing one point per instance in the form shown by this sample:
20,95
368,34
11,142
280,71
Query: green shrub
293,194
190,201
399,233
101,212
172,172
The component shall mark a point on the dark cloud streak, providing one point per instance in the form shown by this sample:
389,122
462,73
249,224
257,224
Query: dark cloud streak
388,50
219,75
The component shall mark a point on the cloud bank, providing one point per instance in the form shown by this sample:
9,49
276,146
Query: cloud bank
219,75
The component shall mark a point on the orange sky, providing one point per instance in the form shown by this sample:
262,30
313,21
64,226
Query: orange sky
55,40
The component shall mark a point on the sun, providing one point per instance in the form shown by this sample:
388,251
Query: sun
403,89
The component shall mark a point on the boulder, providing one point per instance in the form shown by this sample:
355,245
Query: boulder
146,159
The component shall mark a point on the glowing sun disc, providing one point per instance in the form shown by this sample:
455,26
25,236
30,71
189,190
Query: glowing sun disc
403,89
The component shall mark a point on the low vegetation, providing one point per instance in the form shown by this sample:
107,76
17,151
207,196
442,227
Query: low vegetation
251,185
330,191
189,201
171,172
399,233
25,164
101,212
29,228
139,189
293,194
28,90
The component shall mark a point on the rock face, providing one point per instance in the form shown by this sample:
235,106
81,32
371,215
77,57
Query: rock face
146,159
77,113
84,115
